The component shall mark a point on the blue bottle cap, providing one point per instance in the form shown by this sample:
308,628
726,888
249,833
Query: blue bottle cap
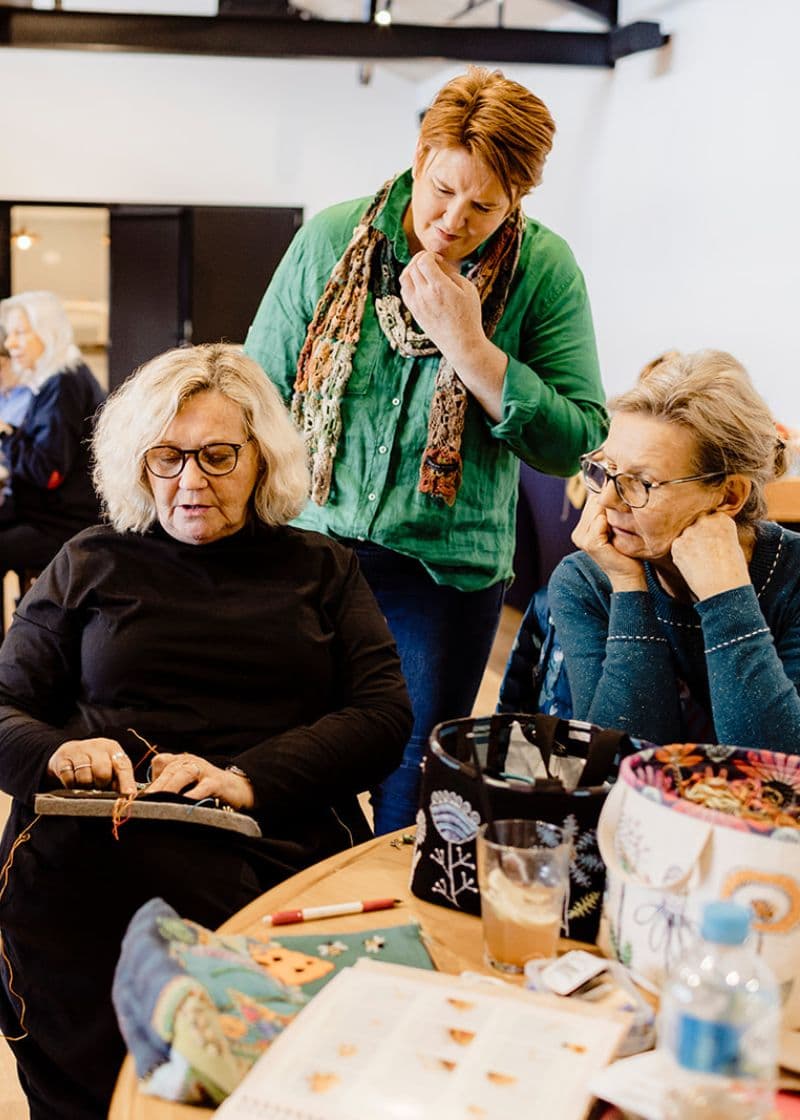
727,923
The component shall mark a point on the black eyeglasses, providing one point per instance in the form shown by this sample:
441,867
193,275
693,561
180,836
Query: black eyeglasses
631,489
213,459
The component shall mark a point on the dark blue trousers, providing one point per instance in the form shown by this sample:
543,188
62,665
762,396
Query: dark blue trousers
444,637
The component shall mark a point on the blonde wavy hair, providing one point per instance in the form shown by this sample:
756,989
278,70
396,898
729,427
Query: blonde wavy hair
710,395
135,416
500,121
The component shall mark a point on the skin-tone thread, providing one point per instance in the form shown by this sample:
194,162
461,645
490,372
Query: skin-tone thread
20,840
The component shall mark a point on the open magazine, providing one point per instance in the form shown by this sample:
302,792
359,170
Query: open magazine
385,1041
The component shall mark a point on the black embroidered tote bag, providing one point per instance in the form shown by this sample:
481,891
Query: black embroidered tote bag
534,767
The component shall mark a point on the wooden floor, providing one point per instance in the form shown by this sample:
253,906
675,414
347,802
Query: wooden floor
486,700
12,1102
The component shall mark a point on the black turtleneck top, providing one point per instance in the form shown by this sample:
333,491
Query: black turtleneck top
265,649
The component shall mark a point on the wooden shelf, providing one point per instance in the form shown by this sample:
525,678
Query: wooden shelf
783,500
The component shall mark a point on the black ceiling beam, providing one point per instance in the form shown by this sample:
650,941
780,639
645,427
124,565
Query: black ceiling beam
250,36
631,38
273,9
608,9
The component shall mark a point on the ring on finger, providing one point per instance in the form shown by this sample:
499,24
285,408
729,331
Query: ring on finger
63,769
82,766
117,755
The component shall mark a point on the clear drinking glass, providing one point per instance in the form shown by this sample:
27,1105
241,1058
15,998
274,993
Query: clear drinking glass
523,874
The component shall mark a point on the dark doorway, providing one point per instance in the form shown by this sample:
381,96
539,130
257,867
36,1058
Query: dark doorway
178,274
149,301
235,250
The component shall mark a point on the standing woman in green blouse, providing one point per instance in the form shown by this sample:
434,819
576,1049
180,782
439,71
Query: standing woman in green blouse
428,338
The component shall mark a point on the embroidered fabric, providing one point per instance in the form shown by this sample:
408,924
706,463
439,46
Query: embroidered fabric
198,1008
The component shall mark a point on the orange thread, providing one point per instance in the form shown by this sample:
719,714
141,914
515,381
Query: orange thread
120,812
23,836
121,806
151,748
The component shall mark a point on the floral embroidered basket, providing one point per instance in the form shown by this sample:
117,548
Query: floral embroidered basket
535,767
687,823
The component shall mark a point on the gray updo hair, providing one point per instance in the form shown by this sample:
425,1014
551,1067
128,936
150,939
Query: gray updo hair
710,394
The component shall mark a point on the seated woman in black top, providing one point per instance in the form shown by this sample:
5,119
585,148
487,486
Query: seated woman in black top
47,450
251,654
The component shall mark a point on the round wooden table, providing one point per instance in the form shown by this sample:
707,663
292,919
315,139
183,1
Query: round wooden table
380,868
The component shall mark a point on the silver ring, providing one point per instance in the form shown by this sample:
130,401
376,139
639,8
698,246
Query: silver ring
118,754
82,766
63,769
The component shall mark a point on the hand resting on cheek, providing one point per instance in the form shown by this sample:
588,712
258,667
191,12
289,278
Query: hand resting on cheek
593,536
709,555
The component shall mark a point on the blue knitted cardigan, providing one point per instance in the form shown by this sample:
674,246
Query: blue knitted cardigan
725,670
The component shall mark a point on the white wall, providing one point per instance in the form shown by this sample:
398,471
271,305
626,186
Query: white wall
107,127
676,177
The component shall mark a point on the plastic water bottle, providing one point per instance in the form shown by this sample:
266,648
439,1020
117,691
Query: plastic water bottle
720,1025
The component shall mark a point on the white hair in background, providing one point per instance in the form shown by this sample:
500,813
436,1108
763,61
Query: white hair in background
48,319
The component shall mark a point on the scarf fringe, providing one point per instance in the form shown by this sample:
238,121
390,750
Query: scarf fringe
326,358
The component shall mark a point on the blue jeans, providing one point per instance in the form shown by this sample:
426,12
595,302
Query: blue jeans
444,637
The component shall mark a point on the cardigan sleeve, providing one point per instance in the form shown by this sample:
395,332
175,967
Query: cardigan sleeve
620,668
753,676
358,744
43,452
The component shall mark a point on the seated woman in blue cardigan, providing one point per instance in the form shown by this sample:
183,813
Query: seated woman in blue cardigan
680,615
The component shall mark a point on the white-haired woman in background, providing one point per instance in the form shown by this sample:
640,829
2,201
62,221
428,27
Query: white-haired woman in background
251,653
47,451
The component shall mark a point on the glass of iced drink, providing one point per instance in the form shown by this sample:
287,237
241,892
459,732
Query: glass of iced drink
523,874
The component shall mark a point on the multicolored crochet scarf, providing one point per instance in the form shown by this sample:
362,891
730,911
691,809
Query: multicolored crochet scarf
326,359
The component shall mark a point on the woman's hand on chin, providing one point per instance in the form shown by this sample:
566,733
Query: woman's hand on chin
446,306
592,536
709,555
198,778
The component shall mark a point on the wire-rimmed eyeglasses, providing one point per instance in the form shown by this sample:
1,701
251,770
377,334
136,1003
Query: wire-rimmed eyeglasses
631,489
213,459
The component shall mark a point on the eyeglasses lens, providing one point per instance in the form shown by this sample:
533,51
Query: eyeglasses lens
594,475
632,490
629,487
164,461
218,458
